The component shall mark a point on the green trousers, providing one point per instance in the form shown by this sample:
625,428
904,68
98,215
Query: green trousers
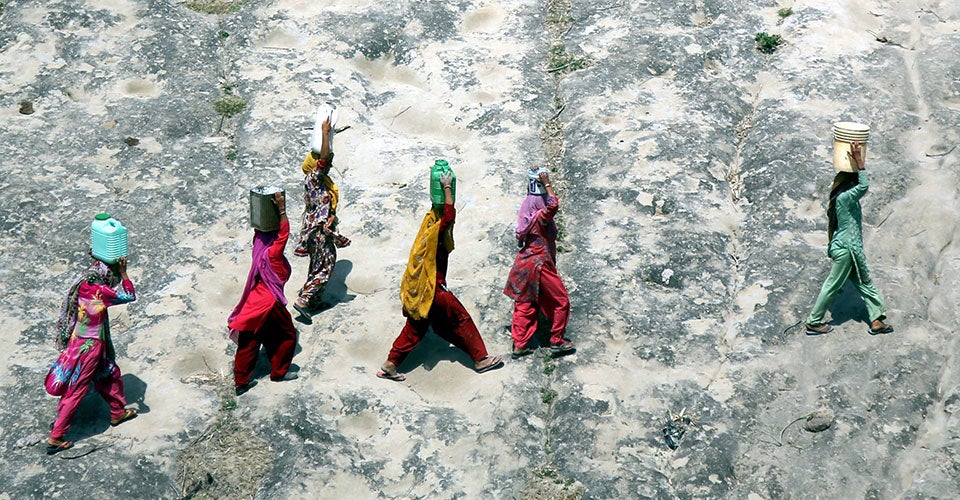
850,265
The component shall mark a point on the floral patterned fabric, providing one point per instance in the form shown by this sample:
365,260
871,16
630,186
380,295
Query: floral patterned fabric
538,250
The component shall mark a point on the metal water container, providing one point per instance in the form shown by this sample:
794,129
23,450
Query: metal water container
264,214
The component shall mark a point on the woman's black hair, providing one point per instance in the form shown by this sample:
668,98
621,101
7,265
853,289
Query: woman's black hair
842,182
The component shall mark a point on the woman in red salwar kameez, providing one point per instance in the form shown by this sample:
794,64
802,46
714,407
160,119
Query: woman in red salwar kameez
261,316
533,282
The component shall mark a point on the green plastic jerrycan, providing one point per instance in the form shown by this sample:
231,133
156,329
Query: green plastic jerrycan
108,238
439,168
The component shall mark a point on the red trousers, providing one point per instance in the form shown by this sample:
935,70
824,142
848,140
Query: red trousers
277,335
93,363
555,304
449,319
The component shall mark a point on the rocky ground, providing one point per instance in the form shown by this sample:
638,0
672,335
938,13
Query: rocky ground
692,169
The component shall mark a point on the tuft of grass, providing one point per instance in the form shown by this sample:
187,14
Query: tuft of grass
767,43
230,105
214,6
558,60
547,395
785,12
228,403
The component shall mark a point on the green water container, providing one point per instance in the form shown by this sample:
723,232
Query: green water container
108,238
439,168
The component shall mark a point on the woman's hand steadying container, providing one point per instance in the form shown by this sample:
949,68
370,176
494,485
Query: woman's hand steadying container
856,154
122,267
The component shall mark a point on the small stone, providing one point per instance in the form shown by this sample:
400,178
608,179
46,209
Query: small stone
26,108
819,420
131,141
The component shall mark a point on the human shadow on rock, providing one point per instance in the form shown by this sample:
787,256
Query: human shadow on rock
433,350
93,413
848,306
336,291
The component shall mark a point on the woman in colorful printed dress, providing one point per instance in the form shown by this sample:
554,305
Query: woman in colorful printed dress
84,330
318,226
533,282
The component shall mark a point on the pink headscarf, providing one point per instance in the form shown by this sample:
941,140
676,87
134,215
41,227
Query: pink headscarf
528,215
260,268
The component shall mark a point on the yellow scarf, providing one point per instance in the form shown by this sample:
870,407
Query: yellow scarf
309,165
419,281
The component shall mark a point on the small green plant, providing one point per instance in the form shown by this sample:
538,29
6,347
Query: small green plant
549,368
767,43
230,105
223,34
231,154
547,395
785,12
559,60
228,403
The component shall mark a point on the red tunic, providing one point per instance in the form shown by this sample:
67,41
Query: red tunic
260,301
539,251
443,256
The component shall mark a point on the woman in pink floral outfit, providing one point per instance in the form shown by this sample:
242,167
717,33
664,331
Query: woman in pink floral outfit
84,329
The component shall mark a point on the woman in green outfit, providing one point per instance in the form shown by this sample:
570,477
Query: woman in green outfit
844,231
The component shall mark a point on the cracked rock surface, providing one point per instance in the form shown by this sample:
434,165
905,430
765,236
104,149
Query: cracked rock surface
692,171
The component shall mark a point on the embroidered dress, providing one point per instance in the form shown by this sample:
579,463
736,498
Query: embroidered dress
538,251
89,356
533,282
320,202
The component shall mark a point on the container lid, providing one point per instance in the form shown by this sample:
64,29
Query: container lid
266,189
102,217
440,163
851,127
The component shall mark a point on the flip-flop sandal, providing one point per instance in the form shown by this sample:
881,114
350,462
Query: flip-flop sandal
526,351
883,329
395,376
566,346
53,449
127,415
495,362
305,316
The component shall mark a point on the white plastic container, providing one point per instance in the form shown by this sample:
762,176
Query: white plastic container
108,238
264,214
845,134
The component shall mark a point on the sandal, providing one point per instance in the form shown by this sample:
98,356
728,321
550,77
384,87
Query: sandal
884,328
564,347
127,415
820,329
519,353
495,362
55,446
305,317
395,376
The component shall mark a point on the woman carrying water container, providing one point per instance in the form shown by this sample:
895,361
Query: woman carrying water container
426,300
83,335
318,237
261,317
845,247
533,282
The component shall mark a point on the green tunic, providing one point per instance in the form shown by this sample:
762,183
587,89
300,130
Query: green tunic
849,260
